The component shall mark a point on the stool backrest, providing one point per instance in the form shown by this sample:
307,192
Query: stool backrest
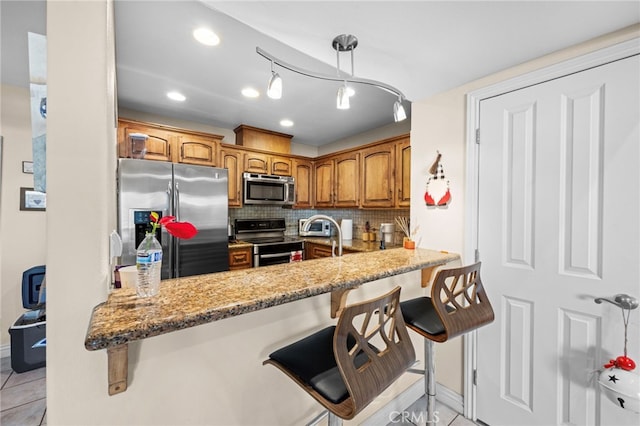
380,333
459,299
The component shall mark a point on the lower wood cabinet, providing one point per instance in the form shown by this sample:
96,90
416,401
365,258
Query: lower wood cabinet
316,250
240,257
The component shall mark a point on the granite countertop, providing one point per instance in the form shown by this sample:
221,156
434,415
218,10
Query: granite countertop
355,245
190,301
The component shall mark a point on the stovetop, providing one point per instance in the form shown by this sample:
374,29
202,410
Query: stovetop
263,231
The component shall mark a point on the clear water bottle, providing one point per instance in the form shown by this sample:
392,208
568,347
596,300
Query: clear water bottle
149,265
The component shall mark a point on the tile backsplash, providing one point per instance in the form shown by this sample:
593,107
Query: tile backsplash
291,217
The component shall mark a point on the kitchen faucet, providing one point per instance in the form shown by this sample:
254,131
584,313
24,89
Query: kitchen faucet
307,225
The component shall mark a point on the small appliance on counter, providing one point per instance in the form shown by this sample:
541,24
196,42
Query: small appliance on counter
346,226
319,228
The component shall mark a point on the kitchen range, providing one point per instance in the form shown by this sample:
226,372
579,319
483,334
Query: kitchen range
270,245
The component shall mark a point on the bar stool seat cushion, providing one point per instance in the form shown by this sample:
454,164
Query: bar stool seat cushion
313,361
421,314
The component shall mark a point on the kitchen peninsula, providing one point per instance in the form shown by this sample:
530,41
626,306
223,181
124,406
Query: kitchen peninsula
187,302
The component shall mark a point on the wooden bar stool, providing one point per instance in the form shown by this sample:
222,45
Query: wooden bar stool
346,366
458,305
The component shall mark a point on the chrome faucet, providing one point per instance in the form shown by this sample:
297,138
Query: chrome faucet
307,225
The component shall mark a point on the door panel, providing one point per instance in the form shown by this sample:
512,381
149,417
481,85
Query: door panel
558,226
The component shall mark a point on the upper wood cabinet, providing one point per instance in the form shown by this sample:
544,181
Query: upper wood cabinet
231,159
257,162
378,176
157,145
403,172
386,174
324,183
337,180
166,143
197,150
262,139
303,175
347,179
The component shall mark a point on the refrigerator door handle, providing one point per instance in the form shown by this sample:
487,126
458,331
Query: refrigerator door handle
175,244
165,234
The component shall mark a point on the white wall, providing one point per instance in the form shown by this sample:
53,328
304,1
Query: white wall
22,233
439,124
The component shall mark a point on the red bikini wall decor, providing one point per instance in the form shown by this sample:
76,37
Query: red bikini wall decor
437,186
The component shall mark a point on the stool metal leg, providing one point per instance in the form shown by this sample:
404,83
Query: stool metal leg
430,379
334,420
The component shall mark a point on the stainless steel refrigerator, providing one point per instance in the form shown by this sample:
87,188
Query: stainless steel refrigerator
193,194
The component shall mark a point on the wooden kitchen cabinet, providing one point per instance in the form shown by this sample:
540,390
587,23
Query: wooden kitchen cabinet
347,179
231,159
303,175
324,182
199,150
337,180
240,257
280,166
378,176
158,145
167,143
316,251
403,172
258,162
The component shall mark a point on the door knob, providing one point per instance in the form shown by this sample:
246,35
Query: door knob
623,301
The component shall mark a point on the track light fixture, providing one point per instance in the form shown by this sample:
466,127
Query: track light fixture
274,90
341,43
398,111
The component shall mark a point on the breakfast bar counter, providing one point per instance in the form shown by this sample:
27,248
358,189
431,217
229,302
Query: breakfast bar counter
187,302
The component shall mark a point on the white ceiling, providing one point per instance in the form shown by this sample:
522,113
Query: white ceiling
420,47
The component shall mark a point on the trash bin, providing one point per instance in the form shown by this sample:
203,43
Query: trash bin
29,341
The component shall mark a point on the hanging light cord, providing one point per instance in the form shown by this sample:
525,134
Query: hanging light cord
625,321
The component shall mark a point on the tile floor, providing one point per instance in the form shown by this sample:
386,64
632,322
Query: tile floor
23,401
22,396
445,416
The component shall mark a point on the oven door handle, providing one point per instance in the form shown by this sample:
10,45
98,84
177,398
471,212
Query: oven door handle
271,256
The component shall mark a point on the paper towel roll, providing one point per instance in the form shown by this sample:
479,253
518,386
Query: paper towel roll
347,229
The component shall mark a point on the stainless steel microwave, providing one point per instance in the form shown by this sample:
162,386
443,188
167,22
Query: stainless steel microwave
318,228
268,189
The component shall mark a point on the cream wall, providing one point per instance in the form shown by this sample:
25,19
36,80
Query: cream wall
439,123
22,233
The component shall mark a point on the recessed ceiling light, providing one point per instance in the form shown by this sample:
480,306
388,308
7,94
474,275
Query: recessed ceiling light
175,96
250,92
286,123
206,36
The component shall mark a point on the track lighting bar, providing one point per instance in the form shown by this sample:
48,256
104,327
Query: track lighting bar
328,77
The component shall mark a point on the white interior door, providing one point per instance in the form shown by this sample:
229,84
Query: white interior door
559,190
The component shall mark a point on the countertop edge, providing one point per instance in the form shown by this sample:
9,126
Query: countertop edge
103,340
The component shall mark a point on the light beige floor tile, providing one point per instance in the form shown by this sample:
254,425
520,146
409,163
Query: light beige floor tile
5,364
24,393
28,376
462,421
30,414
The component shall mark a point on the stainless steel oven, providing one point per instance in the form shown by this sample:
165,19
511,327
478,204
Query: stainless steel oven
270,245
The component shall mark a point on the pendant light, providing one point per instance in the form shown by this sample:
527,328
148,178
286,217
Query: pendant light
342,100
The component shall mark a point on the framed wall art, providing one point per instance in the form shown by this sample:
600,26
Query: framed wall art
32,200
